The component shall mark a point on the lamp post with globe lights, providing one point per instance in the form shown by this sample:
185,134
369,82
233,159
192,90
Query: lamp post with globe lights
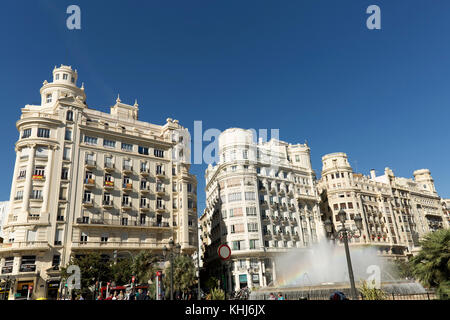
344,233
171,253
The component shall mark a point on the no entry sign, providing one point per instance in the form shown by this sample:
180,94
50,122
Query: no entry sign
224,252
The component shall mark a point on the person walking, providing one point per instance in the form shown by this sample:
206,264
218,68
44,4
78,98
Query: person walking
280,296
272,296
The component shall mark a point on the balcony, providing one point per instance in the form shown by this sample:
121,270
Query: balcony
144,207
109,167
295,236
290,193
89,183
127,169
108,185
262,190
38,177
88,202
265,218
291,207
25,246
127,187
161,174
7,269
272,191
161,208
282,192
145,172
108,204
263,204
83,220
126,205
161,191
27,268
90,164
145,188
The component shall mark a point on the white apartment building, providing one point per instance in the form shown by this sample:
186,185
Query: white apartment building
88,180
396,211
4,207
261,200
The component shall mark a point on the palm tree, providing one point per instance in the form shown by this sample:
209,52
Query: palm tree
145,266
431,265
184,274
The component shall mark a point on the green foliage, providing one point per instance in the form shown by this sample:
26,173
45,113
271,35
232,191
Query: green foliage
93,268
122,271
184,274
145,266
211,283
216,294
403,269
431,266
371,293
443,291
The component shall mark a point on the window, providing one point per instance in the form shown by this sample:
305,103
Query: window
252,227
189,187
90,140
68,135
57,76
245,154
127,147
66,154
249,196
26,133
56,261
19,195
297,158
234,197
143,150
251,211
64,173
48,98
43,133
65,76
31,236
159,153
69,115
109,143
72,80
104,237
83,237
58,237
22,173
36,194
236,245
254,244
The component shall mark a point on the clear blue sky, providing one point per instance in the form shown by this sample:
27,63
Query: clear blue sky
310,68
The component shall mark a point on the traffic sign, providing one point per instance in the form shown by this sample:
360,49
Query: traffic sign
224,252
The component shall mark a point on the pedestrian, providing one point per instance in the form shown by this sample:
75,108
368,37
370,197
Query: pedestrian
120,296
272,296
280,296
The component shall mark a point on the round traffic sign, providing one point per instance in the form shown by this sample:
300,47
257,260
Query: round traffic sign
224,252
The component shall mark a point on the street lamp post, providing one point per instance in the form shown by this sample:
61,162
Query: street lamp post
345,233
171,252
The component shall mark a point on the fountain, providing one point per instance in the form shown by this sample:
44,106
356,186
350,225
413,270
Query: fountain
322,269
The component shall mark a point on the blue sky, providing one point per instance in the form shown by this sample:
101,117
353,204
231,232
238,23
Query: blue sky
310,68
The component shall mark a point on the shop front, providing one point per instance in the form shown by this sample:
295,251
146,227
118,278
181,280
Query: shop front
24,289
52,289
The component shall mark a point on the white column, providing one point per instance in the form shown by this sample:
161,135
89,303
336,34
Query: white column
28,180
48,177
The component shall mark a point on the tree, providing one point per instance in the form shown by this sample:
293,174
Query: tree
145,265
122,271
431,266
93,268
184,274
403,269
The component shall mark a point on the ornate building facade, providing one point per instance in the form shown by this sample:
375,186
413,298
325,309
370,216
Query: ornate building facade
396,211
86,180
261,200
